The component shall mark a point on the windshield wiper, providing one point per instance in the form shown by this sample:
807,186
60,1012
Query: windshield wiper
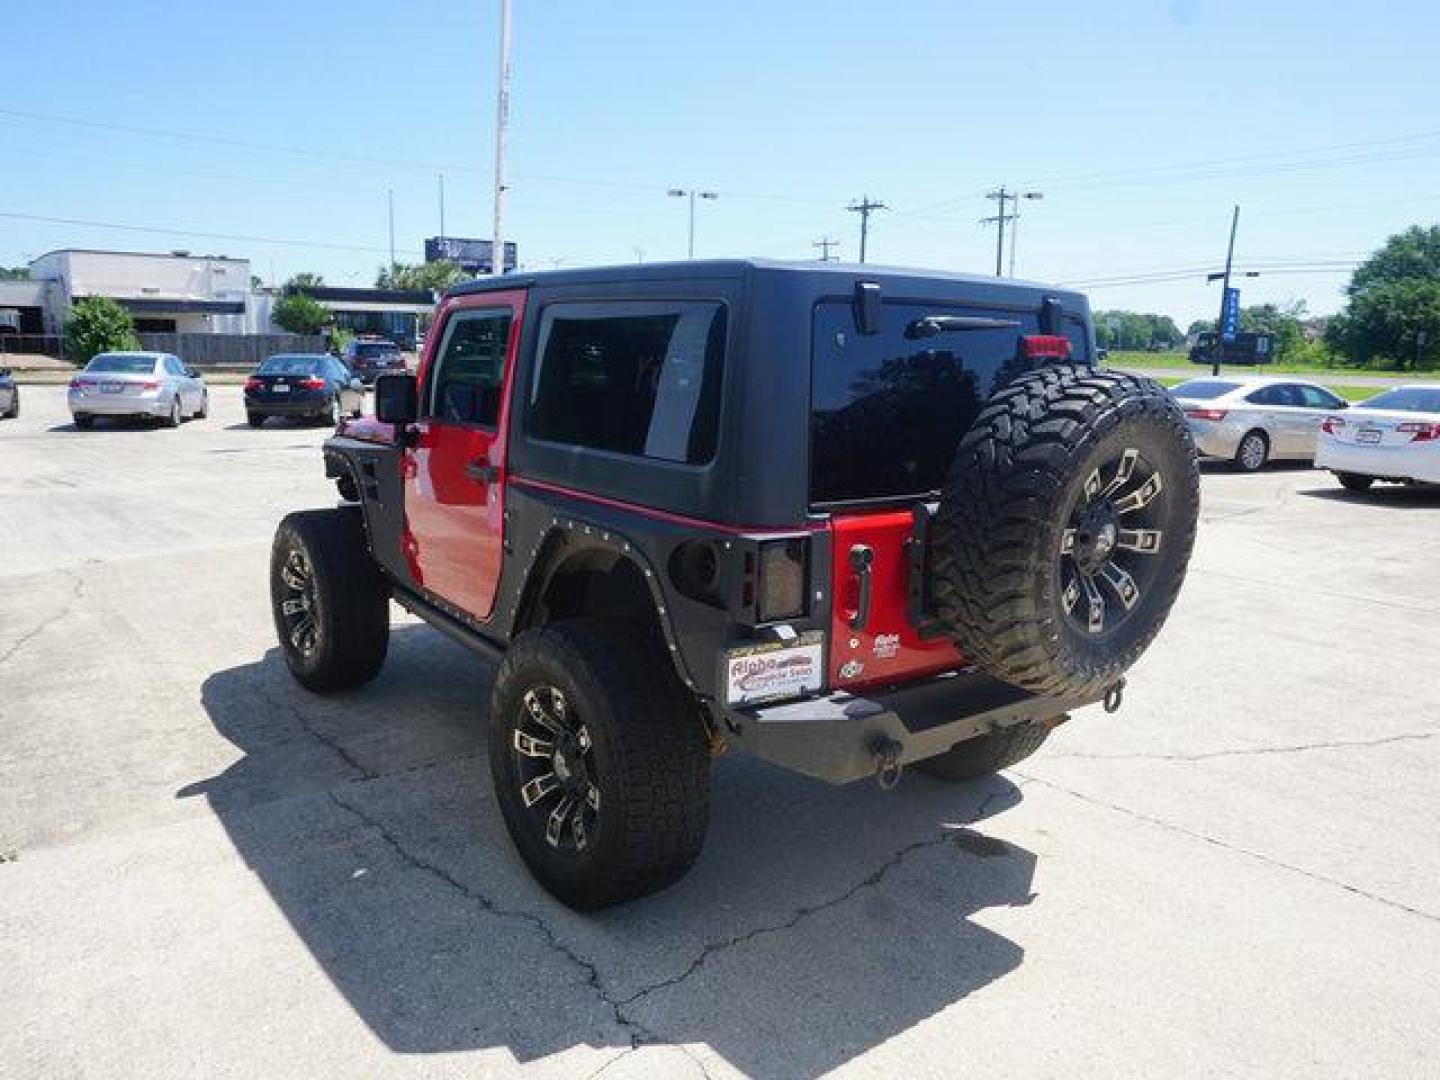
930,325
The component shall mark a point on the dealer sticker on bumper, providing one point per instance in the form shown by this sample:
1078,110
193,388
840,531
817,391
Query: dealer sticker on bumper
774,670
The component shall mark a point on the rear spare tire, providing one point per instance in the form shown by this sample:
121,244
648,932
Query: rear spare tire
1065,528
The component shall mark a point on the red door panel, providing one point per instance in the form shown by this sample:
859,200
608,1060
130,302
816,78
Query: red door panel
454,478
887,648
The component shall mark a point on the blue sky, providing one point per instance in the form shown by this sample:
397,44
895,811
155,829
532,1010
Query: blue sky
1141,122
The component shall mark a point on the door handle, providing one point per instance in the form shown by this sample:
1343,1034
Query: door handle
861,558
482,472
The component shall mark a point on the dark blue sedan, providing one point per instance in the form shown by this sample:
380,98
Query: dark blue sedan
311,386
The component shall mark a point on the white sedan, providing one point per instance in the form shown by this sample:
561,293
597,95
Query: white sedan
1392,436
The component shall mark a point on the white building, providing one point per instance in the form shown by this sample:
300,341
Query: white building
174,293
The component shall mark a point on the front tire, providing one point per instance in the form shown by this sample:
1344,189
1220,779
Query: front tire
330,603
600,765
1354,481
1253,451
986,754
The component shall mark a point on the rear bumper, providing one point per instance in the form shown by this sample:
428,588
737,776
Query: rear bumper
1216,438
835,738
1418,461
308,404
98,404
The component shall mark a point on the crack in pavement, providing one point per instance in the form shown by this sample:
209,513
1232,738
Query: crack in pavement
334,745
76,592
1254,751
640,1035
799,914
1225,845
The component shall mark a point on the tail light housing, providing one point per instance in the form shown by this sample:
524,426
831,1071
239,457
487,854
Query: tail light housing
1206,414
312,383
782,579
1421,432
1332,425
252,383
146,386
1044,347
78,384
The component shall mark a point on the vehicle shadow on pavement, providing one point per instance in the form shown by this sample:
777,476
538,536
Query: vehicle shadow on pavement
819,922
1418,496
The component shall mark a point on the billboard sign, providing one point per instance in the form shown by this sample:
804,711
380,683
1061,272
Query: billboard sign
474,256
1230,317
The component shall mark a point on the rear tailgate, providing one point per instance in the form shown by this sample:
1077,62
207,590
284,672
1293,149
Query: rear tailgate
874,636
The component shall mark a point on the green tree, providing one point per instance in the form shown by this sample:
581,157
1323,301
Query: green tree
304,280
1415,253
1135,330
1392,325
97,324
300,314
427,277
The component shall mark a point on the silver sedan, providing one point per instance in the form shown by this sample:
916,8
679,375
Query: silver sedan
138,384
1252,419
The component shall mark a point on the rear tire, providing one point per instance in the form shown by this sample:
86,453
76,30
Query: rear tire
176,414
84,422
986,754
589,726
1354,481
14,413
255,419
204,411
330,603
1253,451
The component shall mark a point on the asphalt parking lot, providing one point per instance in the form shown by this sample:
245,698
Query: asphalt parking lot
208,871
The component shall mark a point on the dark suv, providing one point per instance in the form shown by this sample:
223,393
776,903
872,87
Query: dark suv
370,358
848,519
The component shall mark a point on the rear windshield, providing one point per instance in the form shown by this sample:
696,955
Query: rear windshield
289,365
375,348
1204,389
888,410
1410,399
122,365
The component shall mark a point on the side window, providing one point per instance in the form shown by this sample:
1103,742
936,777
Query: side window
173,366
1266,395
631,378
464,383
1316,398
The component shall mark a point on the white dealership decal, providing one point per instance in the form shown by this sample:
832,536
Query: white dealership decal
767,672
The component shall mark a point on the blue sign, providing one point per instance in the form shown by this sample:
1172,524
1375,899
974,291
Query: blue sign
1230,316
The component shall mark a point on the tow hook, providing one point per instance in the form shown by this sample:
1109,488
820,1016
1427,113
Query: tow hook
1114,697
887,762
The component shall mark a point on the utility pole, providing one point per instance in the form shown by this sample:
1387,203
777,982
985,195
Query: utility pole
502,123
1003,195
1224,293
390,203
692,194
865,208
441,178
825,244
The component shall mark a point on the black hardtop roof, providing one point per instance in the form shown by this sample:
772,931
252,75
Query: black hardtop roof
823,275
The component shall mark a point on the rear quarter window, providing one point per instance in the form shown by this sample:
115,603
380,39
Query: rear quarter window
631,378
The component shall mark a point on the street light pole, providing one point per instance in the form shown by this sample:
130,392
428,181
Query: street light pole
390,207
691,194
502,123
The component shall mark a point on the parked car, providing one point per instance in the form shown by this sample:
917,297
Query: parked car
848,519
9,396
1391,436
1252,419
370,357
145,385
312,386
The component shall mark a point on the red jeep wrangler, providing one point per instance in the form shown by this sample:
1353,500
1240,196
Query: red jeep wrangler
846,518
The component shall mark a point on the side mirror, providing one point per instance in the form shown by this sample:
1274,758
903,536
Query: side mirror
396,399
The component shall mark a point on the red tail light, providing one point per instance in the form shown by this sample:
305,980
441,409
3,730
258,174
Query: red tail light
1045,347
1332,425
252,383
149,386
1205,414
1421,432
312,384
77,384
